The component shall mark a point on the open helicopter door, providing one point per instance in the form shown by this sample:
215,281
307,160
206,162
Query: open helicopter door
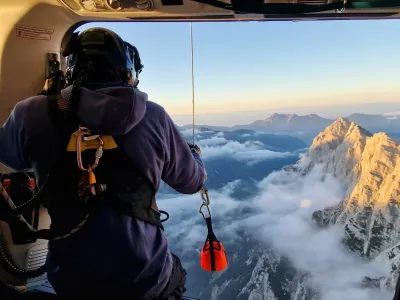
22,262
29,30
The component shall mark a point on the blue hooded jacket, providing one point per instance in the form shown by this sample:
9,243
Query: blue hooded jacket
115,252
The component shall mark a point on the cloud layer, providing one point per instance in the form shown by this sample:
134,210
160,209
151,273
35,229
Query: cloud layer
282,218
249,152
280,215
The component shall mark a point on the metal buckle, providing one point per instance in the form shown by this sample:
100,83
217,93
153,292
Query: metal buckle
206,202
85,135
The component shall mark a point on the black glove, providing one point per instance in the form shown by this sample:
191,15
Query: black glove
194,149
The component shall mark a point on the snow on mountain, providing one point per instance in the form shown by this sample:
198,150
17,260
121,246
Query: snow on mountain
265,275
339,148
369,167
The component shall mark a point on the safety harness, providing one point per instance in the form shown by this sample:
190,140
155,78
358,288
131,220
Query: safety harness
101,173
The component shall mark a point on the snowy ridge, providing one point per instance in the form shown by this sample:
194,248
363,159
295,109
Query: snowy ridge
369,167
259,287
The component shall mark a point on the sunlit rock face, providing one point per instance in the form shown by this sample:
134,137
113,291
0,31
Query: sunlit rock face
369,166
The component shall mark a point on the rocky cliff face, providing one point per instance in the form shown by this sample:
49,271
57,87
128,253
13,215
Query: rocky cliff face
369,167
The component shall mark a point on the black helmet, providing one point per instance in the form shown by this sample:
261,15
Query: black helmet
101,49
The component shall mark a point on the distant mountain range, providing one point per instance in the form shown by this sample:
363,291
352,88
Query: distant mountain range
288,123
306,127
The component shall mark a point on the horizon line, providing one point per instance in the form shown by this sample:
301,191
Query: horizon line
330,119
289,108
297,114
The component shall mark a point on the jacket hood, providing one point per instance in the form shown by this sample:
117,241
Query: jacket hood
111,110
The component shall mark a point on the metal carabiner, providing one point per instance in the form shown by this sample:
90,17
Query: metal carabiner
208,209
206,202
85,134
99,152
204,196
82,131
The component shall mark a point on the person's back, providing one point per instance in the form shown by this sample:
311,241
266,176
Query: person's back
115,254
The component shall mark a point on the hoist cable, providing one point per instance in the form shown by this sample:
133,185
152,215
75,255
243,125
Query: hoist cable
204,191
212,256
192,52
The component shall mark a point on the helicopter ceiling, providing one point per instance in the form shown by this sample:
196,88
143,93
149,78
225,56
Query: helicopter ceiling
32,28
233,10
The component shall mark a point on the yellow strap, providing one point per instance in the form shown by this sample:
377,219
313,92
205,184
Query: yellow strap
109,143
92,178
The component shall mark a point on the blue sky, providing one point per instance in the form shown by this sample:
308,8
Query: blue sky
267,66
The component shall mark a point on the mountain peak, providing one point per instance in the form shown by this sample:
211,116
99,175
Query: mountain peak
368,165
340,130
341,125
290,116
339,149
280,116
313,116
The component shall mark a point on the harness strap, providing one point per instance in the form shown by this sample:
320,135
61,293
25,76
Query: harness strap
63,117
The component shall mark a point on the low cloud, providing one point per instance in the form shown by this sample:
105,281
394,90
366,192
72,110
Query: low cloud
250,152
253,157
395,113
187,133
213,141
